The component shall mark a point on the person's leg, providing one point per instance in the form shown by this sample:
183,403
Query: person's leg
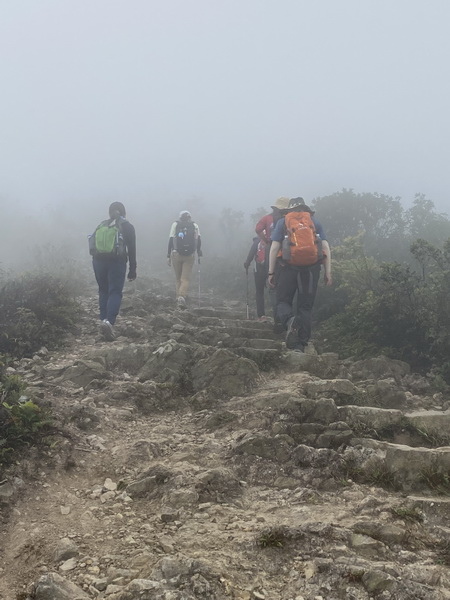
286,288
277,326
101,275
177,263
307,289
116,279
188,263
260,286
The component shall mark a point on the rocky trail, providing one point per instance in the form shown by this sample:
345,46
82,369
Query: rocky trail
196,458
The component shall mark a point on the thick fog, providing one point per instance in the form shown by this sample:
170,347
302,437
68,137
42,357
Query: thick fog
176,104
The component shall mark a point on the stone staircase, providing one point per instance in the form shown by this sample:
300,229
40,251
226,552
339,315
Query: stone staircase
411,446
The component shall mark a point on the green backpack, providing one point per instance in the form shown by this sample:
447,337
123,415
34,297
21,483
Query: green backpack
107,239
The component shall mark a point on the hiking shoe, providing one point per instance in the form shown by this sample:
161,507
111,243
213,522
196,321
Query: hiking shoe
107,330
292,334
181,302
299,348
278,327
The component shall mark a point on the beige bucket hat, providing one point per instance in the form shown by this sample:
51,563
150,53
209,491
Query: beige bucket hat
281,203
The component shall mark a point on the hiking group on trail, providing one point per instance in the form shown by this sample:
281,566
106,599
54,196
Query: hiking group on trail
298,250
288,253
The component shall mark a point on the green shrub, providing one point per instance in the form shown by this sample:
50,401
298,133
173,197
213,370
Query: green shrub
36,311
22,422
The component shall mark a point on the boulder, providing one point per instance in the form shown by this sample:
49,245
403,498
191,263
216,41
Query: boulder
144,589
52,586
218,485
65,549
83,372
371,417
331,387
325,365
306,410
272,448
225,374
168,363
380,367
128,358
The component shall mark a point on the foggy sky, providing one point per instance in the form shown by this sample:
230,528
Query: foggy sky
233,101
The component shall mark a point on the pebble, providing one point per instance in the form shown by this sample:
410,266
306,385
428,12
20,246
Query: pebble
68,565
110,485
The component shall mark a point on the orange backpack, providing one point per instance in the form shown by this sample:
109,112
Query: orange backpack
301,245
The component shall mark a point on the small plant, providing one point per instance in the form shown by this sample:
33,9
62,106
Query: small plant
372,474
443,553
22,422
436,480
354,576
273,537
407,513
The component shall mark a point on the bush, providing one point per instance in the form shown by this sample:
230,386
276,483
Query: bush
22,422
36,311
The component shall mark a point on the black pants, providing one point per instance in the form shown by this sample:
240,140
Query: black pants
303,281
260,287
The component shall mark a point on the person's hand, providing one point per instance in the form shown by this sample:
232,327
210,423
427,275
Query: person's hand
131,275
327,279
246,266
199,253
169,261
271,280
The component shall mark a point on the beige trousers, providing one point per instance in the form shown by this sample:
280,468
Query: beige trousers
182,265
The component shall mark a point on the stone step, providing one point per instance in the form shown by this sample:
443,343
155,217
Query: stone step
249,332
421,427
432,422
257,343
221,313
266,359
413,468
221,322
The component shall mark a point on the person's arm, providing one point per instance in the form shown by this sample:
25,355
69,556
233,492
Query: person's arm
171,245
252,253
199,241
274,249
129,235
327,263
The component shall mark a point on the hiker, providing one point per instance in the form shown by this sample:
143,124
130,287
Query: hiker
258,254
264,229
184,241
111,245
265,225
299,247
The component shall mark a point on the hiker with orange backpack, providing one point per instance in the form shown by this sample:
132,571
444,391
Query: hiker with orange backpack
299,248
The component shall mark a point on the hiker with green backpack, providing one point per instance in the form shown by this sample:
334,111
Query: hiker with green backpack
299,248
112,245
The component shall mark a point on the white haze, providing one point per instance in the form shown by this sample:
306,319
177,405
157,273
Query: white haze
233,103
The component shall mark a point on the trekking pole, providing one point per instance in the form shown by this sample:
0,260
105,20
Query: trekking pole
247,306
199,288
